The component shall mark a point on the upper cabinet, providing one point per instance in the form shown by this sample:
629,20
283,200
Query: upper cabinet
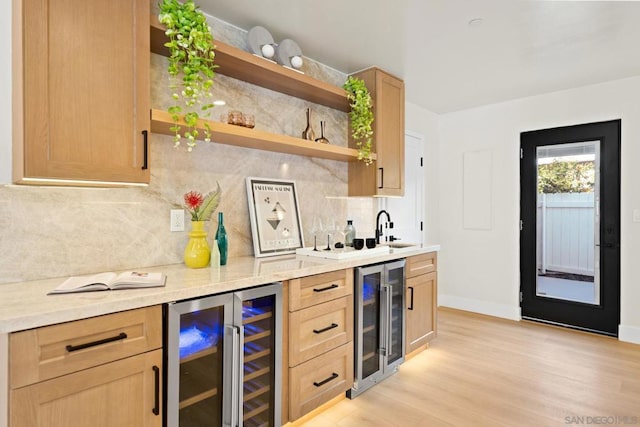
81,101
385,177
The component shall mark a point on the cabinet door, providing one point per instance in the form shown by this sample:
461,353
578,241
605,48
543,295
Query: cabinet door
385,177
421,294
122,393
85,90
389,134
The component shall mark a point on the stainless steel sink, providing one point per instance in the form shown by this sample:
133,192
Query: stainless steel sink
401,247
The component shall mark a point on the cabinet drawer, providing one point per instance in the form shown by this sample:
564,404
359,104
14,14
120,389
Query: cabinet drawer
317,329
422,264
312,290
48,352
319,380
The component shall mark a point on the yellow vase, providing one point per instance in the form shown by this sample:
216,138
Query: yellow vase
197,253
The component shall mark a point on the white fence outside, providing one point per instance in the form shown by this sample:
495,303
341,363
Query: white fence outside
565,233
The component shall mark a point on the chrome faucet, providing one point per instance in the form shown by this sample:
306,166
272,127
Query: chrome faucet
379,226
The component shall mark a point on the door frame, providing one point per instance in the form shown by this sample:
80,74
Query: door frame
603,318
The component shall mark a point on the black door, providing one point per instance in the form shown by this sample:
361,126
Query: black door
570,229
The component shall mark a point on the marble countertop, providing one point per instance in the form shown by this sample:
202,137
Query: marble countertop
26,305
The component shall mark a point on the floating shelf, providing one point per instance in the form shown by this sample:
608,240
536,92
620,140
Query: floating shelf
245,66
223,133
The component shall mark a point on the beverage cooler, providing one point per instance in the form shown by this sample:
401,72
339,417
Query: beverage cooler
224,359
379,323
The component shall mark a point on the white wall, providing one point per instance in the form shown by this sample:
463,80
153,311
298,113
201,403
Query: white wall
5,94
479,270
425,123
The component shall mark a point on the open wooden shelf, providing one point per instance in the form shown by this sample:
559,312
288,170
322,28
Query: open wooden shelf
245,66
223,133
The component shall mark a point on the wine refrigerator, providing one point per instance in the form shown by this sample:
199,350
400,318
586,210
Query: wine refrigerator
224,359
379,323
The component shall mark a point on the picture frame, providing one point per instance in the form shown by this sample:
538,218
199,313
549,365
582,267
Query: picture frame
275,218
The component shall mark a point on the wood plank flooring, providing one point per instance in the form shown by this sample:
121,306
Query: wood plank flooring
484,371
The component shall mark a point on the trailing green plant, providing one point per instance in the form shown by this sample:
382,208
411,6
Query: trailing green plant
191,67
360,116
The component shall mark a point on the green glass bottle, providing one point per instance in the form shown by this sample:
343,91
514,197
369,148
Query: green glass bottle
221,238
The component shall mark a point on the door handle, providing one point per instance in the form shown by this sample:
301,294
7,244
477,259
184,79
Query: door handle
328,328
410,299
326,380
145,149
156,393
328,288
381,177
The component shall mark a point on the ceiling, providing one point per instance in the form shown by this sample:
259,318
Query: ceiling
518,49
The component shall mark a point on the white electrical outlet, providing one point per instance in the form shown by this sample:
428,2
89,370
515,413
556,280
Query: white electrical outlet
177,220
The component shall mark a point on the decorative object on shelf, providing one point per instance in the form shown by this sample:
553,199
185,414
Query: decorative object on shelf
221,239
360,116
308,132
289,54
197,253
191,67
322,139
275,218
238,118
261,42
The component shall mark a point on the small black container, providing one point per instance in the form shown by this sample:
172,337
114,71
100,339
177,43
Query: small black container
358,244
370,242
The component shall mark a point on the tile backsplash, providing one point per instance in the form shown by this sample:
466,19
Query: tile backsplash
54,232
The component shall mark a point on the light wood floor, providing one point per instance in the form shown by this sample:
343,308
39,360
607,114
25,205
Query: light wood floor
483,371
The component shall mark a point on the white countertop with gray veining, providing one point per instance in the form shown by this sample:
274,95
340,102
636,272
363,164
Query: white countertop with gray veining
26,305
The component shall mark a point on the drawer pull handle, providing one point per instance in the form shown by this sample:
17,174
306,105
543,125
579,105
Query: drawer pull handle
410,299
328,288
156,393
118,337
328,328
323,382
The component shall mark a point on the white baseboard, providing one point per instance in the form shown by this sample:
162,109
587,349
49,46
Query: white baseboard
629,334
479,306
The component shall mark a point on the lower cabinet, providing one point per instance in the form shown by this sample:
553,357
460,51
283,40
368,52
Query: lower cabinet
98,372
421,289
320,345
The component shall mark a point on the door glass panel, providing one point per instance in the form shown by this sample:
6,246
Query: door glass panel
258,319
201,355
568,222
395,280
371,323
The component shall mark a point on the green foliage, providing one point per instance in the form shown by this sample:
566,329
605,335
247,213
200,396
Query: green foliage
191,67
566,177
360,116
210,204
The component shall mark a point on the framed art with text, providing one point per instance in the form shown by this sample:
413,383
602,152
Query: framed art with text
275,218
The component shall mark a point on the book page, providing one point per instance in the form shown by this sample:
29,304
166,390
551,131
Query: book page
135,279
78,282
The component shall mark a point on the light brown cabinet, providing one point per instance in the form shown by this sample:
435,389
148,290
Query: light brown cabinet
385,177
102,371
421,289
82,91
320,345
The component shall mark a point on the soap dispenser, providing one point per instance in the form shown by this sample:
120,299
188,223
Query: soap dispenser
349,233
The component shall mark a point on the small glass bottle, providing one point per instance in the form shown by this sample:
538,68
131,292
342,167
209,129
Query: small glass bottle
349,233
308,132
221,239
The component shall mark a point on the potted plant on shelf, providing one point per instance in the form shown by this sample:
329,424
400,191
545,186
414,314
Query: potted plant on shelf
191,67
360,116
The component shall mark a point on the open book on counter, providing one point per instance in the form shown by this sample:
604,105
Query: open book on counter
110,281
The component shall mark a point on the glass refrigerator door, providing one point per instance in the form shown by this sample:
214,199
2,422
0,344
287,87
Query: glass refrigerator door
395,339
370,321
260,357
196,361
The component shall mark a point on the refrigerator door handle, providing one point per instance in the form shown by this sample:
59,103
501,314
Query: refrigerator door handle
235,367
389,320
384,327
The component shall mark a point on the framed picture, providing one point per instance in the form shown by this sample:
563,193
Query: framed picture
275,218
